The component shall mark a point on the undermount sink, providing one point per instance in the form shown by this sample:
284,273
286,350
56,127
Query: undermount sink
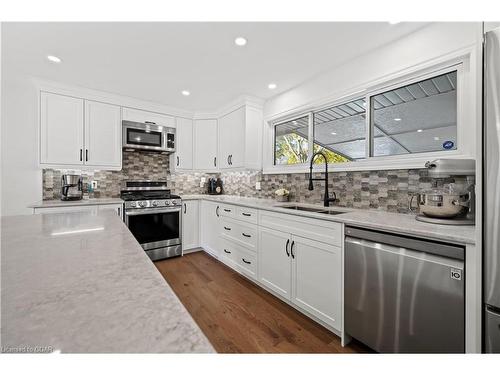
312,209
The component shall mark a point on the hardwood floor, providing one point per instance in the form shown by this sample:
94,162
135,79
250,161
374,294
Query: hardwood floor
237,316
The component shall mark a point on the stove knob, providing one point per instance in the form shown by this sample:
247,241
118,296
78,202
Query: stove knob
155,203
142,204
167,203
132,204
174,202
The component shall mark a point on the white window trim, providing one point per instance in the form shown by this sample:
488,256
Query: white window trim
466,98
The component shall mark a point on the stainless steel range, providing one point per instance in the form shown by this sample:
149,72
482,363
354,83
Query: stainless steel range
153,215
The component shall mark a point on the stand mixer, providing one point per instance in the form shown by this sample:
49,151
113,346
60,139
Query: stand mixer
448,202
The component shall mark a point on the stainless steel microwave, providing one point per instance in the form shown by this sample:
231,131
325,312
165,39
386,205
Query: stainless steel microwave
148,136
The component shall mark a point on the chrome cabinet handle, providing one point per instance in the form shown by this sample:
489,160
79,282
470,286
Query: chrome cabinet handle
226,228
81,155
177,161
245,214
286,248
246,235
185,208
215,162
217,211
120,211
227,210
291,250
86,155
227,251
246,261
228,161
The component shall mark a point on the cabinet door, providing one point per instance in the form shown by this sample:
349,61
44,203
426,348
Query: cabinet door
103,146
190,219
118,208
205,145
184,145
274,262
316,279
61,129
136,115
232,139
209,221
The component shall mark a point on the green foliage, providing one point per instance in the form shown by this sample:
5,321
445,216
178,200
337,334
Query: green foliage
293,148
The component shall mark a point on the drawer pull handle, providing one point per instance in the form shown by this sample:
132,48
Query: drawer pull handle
291,250
227,210
246,235
286,248
227,251
245,214
226,228
246,261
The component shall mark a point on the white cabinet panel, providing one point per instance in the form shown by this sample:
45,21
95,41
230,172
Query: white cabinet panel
183,158
103,145
61,129
190,225
209,221
232,139
274,262
205,145
137,115
316,278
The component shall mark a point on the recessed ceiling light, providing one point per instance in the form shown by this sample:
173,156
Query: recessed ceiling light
272,86
419,131
397,119
54,59
185,92
394,22
333,133
240,41
436,138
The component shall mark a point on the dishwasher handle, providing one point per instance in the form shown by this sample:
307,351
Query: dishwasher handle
426,246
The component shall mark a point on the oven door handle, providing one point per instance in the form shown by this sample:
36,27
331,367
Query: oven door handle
146,211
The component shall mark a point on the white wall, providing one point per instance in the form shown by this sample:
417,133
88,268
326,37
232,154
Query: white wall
428,43
21,179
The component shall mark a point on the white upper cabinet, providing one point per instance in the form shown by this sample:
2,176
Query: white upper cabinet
205,145
61,130
183,157
240,138
102,134
137,115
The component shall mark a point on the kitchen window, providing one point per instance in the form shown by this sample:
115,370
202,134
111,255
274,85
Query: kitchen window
340,132
417,116
291,141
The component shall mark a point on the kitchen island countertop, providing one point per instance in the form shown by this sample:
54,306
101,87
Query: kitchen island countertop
79,282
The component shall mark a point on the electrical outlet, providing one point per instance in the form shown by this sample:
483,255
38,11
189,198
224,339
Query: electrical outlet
202,182
257,185
94,185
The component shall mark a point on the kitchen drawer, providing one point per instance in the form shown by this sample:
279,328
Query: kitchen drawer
320,230
250,215
244,234
229,253
227,210
247,262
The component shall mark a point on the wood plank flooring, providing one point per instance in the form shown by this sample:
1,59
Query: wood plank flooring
237,316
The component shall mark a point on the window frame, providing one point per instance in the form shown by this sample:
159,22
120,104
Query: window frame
459,64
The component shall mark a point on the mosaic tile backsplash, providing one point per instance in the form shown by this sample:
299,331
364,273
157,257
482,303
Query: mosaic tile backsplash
382,190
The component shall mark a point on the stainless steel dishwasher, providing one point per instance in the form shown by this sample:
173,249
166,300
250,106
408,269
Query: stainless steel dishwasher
403,295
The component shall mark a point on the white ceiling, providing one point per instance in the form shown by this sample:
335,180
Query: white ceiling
156,61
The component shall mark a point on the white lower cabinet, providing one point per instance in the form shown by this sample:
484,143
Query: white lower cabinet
274,261
209,216
304,271
316,279
190,225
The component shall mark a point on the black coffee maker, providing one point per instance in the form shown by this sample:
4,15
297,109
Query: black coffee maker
214,186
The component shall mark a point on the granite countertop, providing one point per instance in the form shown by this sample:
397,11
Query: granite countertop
81,202
393,222
80,282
